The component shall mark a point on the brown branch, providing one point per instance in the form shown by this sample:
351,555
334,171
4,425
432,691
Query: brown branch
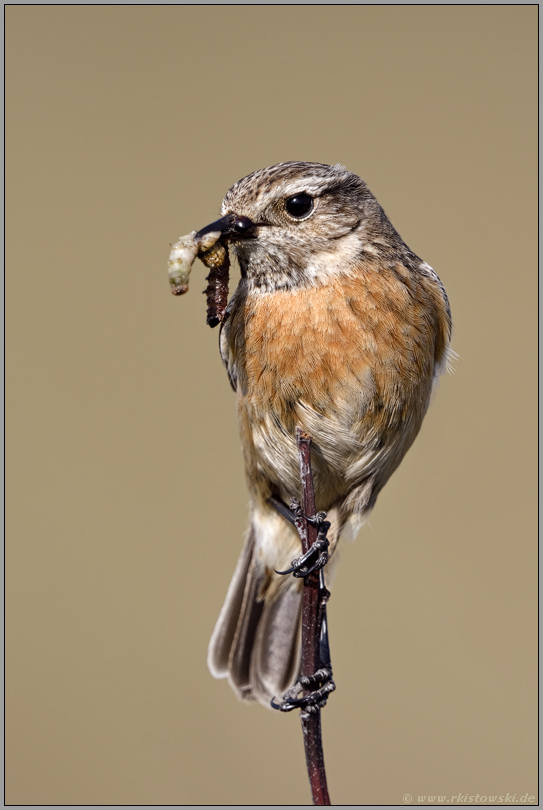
311,628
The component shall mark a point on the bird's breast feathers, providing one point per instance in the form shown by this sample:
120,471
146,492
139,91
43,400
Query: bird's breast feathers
352,361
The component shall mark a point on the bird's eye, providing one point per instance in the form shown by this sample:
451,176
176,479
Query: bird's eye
299,206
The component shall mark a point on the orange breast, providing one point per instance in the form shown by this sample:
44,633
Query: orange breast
360,351
312,343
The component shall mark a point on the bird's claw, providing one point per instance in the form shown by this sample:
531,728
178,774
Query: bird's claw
305,564
314,700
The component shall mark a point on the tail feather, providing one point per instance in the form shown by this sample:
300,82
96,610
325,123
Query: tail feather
275,659
239,662
256,641
225,629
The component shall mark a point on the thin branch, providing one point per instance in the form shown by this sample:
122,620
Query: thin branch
312,614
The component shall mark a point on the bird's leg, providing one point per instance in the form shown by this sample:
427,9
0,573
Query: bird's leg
306,564
318,686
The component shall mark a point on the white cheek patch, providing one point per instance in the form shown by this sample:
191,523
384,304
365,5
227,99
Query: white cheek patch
340,262
269,268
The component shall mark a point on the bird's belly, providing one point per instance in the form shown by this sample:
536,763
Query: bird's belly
271,453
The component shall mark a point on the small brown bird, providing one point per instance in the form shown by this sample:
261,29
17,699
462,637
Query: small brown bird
338,328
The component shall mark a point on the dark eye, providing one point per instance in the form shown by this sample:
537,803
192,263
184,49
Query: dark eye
299,206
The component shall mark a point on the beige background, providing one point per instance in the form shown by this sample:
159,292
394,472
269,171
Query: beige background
126,497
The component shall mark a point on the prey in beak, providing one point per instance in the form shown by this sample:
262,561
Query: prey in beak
210,245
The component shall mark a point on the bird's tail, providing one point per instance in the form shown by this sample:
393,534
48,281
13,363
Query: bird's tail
256,641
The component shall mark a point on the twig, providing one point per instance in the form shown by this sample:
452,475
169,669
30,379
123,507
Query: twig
311,629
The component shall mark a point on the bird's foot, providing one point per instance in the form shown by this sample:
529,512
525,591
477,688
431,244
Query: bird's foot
317,688
317,555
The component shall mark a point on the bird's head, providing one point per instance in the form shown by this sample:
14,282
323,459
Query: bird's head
297,223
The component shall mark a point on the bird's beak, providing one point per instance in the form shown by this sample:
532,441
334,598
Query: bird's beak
232,226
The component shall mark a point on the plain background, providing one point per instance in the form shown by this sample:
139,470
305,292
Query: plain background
126,502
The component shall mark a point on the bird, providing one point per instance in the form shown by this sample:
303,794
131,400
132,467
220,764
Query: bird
336,328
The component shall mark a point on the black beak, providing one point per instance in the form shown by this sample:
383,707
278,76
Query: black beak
231,226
